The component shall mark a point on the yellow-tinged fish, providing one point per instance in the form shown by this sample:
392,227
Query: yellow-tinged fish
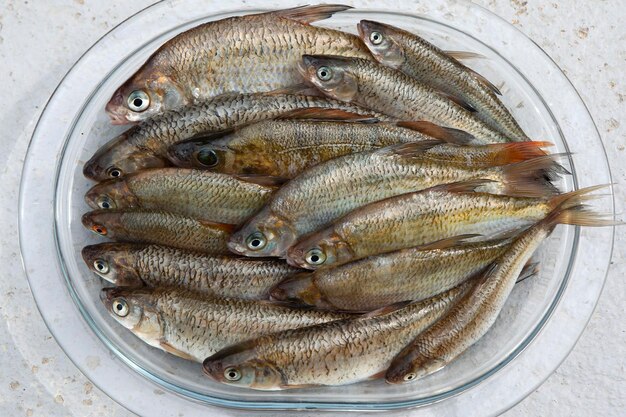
161,228
392,92
145,145
138,265
417,218
198,194
194,326
418,58
476,312
251,53
327,191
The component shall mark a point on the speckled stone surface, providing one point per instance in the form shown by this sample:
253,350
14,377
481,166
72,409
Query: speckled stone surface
39,41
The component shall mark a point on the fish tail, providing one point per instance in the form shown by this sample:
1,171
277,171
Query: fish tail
531,178
510,153
579,215
310,14
574,198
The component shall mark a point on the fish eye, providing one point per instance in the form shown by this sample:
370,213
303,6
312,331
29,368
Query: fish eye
324,73
410,376
99,229
104,202
114,172
315,257
207,157
376,38
138,101
120,307
232,374
101,266
256,241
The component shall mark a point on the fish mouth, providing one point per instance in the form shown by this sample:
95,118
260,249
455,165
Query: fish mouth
236,247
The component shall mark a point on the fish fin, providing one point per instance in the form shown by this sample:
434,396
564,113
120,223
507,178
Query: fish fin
574,198
377,375
386,310
448,242
524,179
301,89
510,153
410,149
266,180
469,186
530,269
447,134
458,100
485,81
171,349
228,228
310,14
579,215
202,138
461,55
322,113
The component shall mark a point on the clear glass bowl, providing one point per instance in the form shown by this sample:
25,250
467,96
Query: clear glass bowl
536,330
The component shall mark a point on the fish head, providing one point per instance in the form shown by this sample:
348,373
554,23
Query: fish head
149,92
239,366
113,262
103,222
112,194
119,158
381,40
299,290
205,156
406,369
321,249
266,234
332,75
135,310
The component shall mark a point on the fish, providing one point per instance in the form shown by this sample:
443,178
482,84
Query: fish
385,89
285,147
325,192
161,228
409,274
418,218
334,353
145,145
198,194
420,59
241,54
194,326
476,312
139,265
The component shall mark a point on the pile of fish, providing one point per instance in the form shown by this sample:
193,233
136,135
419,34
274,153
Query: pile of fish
297,206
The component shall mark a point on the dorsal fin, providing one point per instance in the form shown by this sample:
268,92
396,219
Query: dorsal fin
310,14
447,134
322,113
530,269
461,55
448,242
409,150
485,81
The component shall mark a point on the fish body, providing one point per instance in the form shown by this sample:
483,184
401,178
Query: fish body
418,58
336,353
327,191
161,228
198,194
145,145
137,265
194,326
391,91
374,282
251,53
476,312
414,219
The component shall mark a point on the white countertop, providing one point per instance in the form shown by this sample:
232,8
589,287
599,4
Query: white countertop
39,41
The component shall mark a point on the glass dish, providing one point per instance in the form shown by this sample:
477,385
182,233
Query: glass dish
536,330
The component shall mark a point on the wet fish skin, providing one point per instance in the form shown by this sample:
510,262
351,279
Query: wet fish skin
335,353
145,145
385,89
198,194
194,326
374,282
325,192
250,53
415,219
426,63
137,265
159,227
476,312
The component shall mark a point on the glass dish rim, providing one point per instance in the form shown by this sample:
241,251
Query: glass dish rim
274,405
